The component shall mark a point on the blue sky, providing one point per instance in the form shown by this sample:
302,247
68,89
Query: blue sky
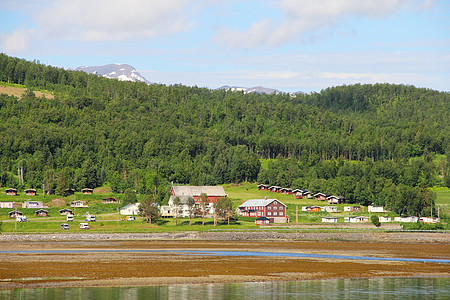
290,45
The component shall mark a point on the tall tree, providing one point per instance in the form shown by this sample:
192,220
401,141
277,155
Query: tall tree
204,206
192,208
149,208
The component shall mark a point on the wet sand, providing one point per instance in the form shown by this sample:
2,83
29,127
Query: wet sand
32,270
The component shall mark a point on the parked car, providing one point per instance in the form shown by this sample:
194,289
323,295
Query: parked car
21,218
299,197
84,226
64,226
130,218
90,218
70,218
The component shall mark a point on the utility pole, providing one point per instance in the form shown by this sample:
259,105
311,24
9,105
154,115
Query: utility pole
296,214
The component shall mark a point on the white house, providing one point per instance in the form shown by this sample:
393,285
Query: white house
375,209
356,219
429,219
329,220
332,209
130,209
352,208
33,204
384,219
410,219
6,204
78,203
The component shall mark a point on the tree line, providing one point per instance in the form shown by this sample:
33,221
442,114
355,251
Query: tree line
364,142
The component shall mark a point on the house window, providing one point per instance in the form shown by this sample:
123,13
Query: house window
275,213
270,207
281,213
276,207
269,213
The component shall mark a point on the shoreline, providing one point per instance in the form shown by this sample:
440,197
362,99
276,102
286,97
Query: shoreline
161,267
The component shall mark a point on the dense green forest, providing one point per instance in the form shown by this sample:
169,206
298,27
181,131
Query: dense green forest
382,143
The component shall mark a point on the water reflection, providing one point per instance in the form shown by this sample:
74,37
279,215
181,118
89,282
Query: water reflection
379,288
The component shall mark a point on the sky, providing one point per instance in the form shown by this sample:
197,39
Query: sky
289,45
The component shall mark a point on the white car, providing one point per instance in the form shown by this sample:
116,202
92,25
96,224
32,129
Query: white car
84,226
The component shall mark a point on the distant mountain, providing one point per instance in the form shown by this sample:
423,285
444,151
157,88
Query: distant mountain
256,89
122,72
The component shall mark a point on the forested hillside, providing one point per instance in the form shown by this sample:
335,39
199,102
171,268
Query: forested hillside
369,143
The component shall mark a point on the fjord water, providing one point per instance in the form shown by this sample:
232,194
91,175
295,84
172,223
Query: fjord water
374,288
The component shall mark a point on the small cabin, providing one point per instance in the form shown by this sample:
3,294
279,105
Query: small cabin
65,212
321,196
262,221
334,200
42,213
384,219
14,213
275,189
30,192
6,204
375,209
78,203
329,220
286,191
312,208
352,208
331,209
11,192
263,187
356,219
110,200
87,191
69,192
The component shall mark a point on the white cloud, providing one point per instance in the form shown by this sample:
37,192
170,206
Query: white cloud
113,20
17,42
305,16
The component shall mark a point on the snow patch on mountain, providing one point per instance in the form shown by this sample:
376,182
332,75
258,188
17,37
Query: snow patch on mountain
121,72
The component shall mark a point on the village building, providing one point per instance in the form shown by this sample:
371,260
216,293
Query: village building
130,209
270,208
275,189
375,209
301,192
263,187
331,209
408,219
30,192
15,213
41,213
352,208
110,200
78,203
262,221
312,208
33,204
335,200
185,192
321,196
11,192
329,220
6,204
69,192
87,191
286,191
385,219
358,219
429,219
65,212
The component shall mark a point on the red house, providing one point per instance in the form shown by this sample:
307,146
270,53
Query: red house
270,208
213,192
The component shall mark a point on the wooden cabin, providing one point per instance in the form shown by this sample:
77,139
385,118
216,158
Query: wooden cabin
11,192
110,200
30,192
41,213
87,191
65,212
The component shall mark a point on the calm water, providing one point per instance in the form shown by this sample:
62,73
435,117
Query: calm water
380,288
